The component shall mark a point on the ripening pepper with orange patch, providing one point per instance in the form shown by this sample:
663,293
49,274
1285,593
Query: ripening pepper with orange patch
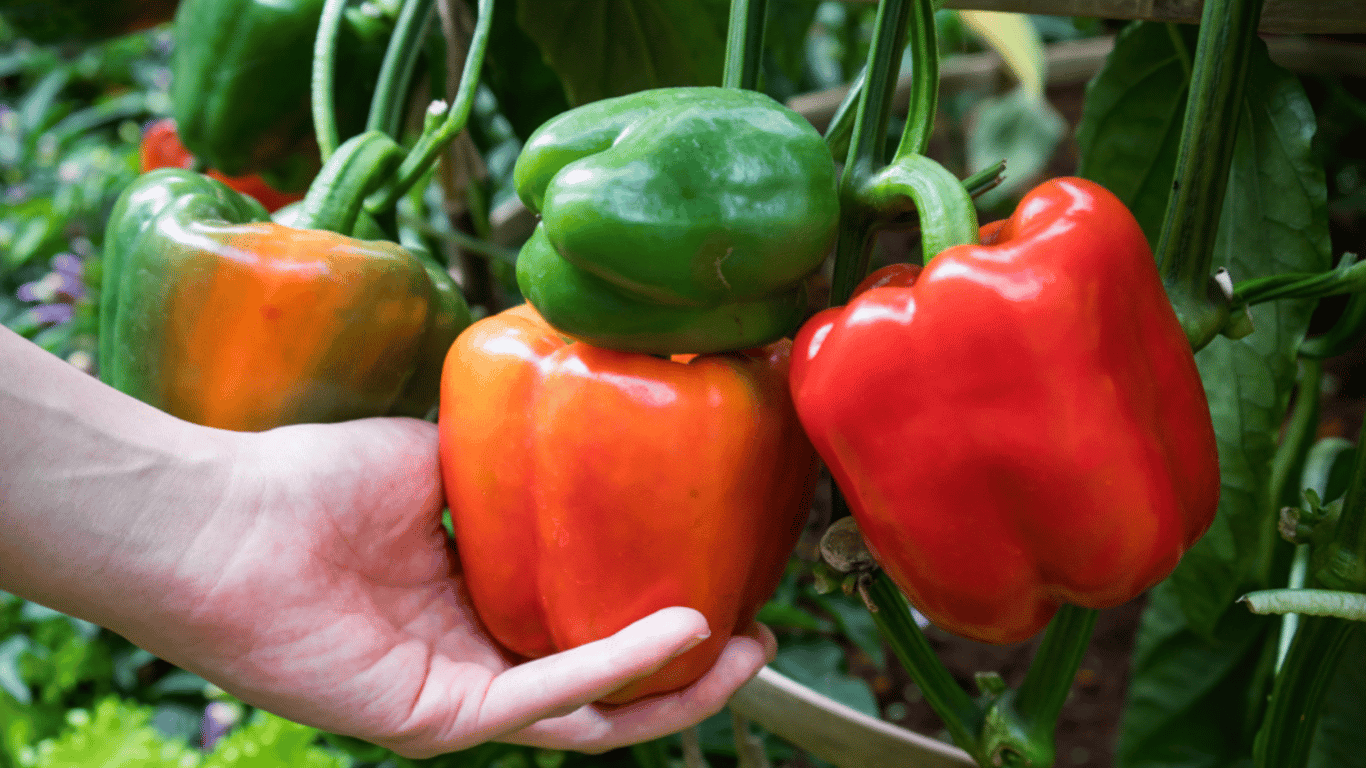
214,313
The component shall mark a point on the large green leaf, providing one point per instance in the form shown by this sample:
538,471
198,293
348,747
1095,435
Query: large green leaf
603,48
1337,740
1188,702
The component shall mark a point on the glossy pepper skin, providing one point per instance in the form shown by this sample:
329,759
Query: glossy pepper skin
1022,424
590,487
161,148
213,313
676,220
240,78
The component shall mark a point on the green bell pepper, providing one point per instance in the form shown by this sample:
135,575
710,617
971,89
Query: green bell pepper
240,78
676,220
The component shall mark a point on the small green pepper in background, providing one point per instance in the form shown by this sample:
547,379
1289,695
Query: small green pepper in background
240,79
676,220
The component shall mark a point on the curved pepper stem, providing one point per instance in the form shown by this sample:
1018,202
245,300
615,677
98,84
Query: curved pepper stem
915,182
336,197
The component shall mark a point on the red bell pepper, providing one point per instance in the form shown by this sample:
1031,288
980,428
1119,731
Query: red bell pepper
1021,424
590,487
161,148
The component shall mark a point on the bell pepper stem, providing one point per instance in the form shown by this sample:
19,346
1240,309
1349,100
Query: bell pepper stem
1022,722
947,216
400,59
961,715
744,44
1185,250
434,140
862,186
335,198
867,144
324,78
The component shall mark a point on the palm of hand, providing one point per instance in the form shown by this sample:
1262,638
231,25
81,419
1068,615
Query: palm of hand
339,604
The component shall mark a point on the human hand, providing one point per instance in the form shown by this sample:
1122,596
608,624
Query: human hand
322,587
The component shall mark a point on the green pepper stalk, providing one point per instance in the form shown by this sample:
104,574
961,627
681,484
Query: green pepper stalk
324,78
744,44
1297,696
400,59
1185,250
866,146
443,130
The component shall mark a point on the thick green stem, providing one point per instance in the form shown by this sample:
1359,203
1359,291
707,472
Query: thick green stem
961,715
1030,714
924,97
434,140
324,78
1185,251
745,44
867,145
400,59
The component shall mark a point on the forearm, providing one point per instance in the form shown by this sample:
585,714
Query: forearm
100,495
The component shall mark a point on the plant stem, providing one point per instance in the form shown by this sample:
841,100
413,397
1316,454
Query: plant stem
324,78
1046,684
924,97
942,203
867,145
400,59
1185,251
1293,712
435,140
745,43
961,715
1342,562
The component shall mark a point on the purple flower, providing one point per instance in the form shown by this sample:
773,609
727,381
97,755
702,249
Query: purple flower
51,314
219,718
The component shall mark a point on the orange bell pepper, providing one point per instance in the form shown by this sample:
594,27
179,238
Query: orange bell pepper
590,487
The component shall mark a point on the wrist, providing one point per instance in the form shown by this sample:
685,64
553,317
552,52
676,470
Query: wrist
103,497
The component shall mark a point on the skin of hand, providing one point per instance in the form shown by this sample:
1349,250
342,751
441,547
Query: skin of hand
304,570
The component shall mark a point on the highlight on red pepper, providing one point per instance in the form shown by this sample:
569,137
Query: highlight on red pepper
161,148
1021,424
590,487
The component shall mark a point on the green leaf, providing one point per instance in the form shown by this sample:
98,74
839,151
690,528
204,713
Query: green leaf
116,735
1337,739
818,663
1016,127
1188,703
601,49
11,681
270,741
1274,220
1131,123
855,623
